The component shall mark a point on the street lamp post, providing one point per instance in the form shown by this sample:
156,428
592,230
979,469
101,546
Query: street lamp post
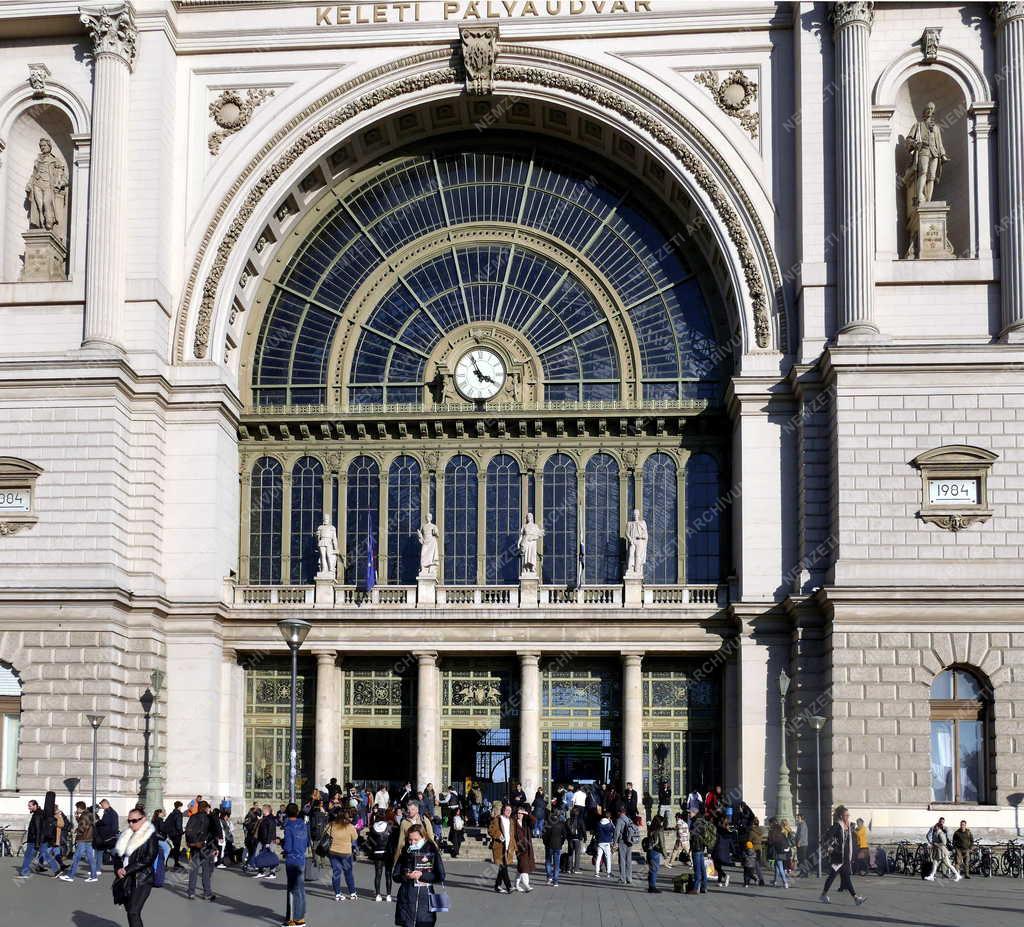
95,721
152,771
784,797
294,631
818,722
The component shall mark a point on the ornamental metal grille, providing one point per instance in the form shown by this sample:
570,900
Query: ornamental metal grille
471,694
375,693
268,692
580,694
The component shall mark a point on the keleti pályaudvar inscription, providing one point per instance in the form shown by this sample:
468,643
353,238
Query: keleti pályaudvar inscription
411,11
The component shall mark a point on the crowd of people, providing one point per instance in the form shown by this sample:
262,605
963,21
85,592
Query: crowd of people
582,827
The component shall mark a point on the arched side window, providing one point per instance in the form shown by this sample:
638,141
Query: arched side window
265,498
661,507
601,529
460,494
404,494
959,715
504,493
561,554
362,516
10,728
307,513
703,527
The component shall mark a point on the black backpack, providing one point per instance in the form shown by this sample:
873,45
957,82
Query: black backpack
197,831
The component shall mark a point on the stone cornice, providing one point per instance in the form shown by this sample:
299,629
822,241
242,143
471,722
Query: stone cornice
113,31
900,607
930,357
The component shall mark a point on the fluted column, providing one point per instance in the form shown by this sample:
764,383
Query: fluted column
428,721
113,34
529,721
327,728
632,720
855,196
1009,19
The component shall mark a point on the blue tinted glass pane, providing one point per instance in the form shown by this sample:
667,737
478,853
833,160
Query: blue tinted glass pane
660,511
601,537
460,495
404,394
966,685
942,761
362,518
365,395
661,390
403,521
265,496
273,354
970,744
703,520
942,685
307,514
560,553
561,392
504,489
601,392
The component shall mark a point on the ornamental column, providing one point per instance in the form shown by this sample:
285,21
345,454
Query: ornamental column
529,721
114,35
1009,18
633,720
428,721
327,729
855,195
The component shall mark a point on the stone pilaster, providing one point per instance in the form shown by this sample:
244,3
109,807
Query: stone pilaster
327,728
855,194
633,720
1009,18
114,35
428,721
529,721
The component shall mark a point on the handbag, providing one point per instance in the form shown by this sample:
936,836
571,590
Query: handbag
265,859
312,873
323,845
120,892
438,902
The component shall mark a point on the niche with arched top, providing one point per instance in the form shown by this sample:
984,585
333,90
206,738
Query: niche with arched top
36,123
953,184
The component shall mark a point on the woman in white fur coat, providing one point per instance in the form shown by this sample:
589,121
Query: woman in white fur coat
136,849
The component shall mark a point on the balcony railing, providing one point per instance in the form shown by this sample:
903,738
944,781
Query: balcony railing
337,595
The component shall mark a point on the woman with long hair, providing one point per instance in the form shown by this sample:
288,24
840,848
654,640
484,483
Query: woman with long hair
503,847
418,869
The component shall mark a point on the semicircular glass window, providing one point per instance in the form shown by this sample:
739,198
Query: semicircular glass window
418,194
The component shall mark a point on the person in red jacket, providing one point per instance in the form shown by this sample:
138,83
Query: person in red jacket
713,799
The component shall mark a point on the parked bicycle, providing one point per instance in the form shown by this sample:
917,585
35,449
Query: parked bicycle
981,862
1011,862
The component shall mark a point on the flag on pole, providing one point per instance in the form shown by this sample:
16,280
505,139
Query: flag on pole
371,555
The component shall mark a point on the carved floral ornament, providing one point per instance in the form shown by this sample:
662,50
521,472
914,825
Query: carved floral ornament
511,74
112,30
733,95
852,14
37,77
232,112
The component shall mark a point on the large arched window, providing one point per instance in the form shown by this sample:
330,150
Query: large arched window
404,494
10,727
561,554
307,513
362,518
703,530
504,492
661,506
460,491
959,715
601,529
265,522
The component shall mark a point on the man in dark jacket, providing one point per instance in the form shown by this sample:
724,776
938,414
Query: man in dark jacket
201,838
555,833
630,799
174,830
266,835
963,843
106,831
36,842
700,843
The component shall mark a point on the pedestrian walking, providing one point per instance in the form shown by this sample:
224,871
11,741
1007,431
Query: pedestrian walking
721,853
201,839
342,855
503,848
654,847
862,861
963,843
577,833
135,852
604,837
522,829
539,809
418,870
801,838
266,837
554,837
174,830
456,833
701,836
681,848
841,840
84,823
938,838
294,845
626,835
36,842
379,839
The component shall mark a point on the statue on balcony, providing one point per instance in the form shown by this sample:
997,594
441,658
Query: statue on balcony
327,542
428,548
636,536
529,535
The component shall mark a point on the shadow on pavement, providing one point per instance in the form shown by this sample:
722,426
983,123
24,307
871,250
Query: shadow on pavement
88,919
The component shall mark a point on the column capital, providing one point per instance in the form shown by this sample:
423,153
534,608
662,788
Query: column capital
632,657
230,655
325,656
112,30
425,657
528,656
860,13
1004,13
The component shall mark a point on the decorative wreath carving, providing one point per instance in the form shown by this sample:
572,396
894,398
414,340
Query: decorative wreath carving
733,95
514,74
232,112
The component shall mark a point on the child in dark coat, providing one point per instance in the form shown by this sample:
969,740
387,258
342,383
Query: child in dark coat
750,865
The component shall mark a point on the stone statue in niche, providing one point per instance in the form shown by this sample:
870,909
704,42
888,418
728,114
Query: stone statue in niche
637,537
47,190
927,219
327,542
429,554
529,535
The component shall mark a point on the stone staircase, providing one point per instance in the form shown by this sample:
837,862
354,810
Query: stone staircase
477,845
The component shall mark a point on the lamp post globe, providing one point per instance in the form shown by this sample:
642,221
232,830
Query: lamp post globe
294,631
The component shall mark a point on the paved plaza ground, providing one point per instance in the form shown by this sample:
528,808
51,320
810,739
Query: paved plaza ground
893,901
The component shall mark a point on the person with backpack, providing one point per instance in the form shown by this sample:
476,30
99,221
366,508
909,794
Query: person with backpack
136,853
35,842
317,821
85,821
577,838
201,840
654,848
379,839
456,834
266,837
342,855
174,829
699,844
626,835
554,837
294,845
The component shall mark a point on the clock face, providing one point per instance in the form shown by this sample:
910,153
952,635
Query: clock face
479,374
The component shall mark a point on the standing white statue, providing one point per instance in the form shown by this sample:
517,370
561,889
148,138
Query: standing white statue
428,548
327,541
47,189
529,535
637,536
928,155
